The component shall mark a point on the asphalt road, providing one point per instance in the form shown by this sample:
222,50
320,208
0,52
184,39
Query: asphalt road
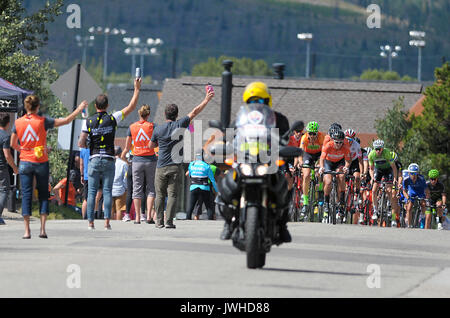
190,261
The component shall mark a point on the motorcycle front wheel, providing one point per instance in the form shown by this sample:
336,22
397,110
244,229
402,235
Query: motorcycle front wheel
255,259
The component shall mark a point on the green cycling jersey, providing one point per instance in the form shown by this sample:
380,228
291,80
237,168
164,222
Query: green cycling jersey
381,162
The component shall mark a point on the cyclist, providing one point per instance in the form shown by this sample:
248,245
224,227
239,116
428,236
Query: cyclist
333,127
335,157
295,139
381,165
438,197
357,163
396,189
414,187
311,143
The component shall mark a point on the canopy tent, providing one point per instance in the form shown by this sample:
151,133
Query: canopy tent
9,95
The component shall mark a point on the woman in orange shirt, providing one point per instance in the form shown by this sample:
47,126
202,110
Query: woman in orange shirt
31,132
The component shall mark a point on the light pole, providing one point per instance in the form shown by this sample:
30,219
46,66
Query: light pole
106,32
390,52
419,42
137,47
308,38
85,42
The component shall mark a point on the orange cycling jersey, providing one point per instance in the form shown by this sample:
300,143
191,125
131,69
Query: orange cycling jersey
293,142
314,147
32,137
330,153
141,133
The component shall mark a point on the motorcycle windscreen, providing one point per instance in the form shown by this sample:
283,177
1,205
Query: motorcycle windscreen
253,129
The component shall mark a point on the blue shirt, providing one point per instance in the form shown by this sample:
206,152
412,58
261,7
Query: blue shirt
84,155
200,169
417,188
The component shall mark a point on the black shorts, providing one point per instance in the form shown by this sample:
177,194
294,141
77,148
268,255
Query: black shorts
388,175
310,159
354,167
333,166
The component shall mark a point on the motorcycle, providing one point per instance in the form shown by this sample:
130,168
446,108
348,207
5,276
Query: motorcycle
258,187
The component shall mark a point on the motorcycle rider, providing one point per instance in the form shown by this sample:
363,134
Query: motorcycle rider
228,198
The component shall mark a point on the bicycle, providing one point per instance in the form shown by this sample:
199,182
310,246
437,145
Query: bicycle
295,206
367,204
383,205
351,205
312,195
416,211
334,199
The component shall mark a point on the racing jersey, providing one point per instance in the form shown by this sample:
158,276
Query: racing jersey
355,150
381,162
415,188
294,142
436,191
330,153
314,147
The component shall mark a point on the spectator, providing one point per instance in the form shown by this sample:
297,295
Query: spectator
126,217
84,163
5,159
212,195
31,131
60,191
101,128
143,164
167,171
119,188
201,174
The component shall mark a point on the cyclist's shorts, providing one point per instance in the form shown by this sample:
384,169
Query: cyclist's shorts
333,166
388,175
354,167
434,202
310,159
413,196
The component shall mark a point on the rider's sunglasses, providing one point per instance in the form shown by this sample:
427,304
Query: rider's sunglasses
433,179
413,173
378,149
312,134
257,101
338,142
298,131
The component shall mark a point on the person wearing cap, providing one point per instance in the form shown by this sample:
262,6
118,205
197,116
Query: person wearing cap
201,174
119,188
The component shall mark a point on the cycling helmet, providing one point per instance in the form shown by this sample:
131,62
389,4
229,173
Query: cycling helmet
433,174
336,125
313,126
350,133
378,144
394,156
338,135
413,168
255,91
358,140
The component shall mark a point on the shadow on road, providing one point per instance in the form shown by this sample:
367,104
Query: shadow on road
310,271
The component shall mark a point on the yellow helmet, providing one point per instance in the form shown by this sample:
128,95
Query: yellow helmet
257,89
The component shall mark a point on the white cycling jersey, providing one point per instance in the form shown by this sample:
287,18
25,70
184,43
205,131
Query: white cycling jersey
355,150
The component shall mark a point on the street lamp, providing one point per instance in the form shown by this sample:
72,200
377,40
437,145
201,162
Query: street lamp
308,38
141,48
390,52
85,42
106,32
419,42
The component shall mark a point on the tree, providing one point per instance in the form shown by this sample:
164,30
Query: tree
382,75
21,35
241,66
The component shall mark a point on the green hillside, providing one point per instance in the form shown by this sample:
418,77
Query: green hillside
343,45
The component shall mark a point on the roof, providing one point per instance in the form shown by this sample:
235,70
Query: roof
120,95
353,104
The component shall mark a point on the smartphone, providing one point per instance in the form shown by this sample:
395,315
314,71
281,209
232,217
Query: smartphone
84,113
138,72
209,88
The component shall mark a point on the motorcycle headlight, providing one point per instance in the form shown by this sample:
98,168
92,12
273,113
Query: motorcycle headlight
246,169
261,170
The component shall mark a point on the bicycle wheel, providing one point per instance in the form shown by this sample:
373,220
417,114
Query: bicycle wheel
416,215
332,214
312,200
381,209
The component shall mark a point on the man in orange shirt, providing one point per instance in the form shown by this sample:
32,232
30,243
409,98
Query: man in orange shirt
311,143
335,157
60,191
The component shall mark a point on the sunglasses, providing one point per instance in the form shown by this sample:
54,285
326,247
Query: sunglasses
298,131
312,134
378,149
433,179
338,142
413,173
257,101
